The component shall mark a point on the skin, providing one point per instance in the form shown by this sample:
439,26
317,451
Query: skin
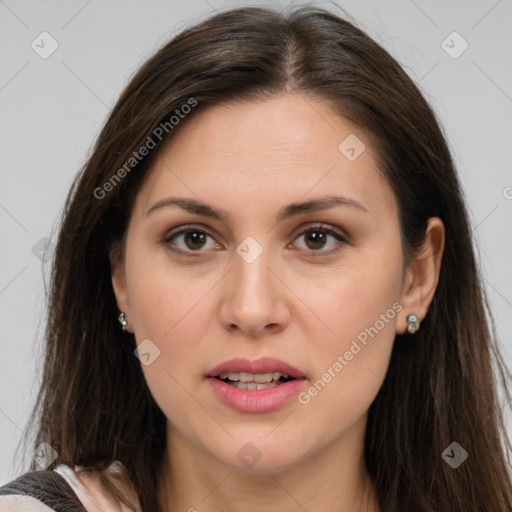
251,159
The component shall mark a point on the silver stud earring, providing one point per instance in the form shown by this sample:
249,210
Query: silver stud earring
122,320
414,323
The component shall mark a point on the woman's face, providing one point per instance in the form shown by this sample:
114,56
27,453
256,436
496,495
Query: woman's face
265,281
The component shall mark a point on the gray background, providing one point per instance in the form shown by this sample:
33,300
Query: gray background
52,109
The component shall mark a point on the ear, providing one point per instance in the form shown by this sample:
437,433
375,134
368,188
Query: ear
422,275
119,284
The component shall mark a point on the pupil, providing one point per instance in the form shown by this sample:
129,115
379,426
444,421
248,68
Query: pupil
317,238
195,238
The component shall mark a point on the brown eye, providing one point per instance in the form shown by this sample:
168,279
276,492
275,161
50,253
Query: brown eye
189,240
317,238
194,239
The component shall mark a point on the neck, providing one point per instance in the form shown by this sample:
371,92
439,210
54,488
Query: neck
334,478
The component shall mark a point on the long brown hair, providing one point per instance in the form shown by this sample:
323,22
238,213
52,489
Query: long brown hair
94,406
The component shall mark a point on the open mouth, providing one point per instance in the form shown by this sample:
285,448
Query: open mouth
249,381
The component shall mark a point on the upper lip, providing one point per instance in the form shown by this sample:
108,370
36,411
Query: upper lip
262,365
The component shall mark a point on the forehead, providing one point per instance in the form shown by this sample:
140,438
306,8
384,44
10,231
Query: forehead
279,150
284,126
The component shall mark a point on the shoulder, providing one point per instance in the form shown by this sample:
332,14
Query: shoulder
67,489
20,503
41,491
93,492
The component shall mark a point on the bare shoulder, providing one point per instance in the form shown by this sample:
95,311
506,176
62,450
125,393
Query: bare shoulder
21,503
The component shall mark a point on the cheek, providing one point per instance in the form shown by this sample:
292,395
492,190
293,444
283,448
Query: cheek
165,298
170,308
360,308
354,296
351,367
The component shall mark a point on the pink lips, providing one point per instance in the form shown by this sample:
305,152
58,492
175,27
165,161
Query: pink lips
263,365
257,400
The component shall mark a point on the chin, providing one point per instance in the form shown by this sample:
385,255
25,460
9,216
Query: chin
259,454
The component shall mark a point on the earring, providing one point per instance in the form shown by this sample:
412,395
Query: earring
414,323
122,320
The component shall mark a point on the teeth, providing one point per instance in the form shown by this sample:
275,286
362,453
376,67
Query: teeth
257,378
251,386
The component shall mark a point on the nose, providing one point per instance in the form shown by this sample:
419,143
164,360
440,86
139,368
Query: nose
254,299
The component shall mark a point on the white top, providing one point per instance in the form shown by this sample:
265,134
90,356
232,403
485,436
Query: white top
93,495
20,503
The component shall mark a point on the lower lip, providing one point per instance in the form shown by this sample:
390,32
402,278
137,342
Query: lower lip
257,400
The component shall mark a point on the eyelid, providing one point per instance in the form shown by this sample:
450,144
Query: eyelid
187,227
329,228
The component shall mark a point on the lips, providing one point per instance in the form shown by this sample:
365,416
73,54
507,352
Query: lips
262,365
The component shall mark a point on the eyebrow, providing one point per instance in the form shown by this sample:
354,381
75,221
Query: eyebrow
290,210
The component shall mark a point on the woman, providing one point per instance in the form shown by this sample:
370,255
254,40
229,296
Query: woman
264,292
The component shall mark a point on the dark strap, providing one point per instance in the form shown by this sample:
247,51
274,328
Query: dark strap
49,487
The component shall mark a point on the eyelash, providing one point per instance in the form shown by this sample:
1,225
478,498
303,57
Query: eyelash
325,229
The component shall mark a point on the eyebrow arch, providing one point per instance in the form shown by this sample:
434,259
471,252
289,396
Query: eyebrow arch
290,210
